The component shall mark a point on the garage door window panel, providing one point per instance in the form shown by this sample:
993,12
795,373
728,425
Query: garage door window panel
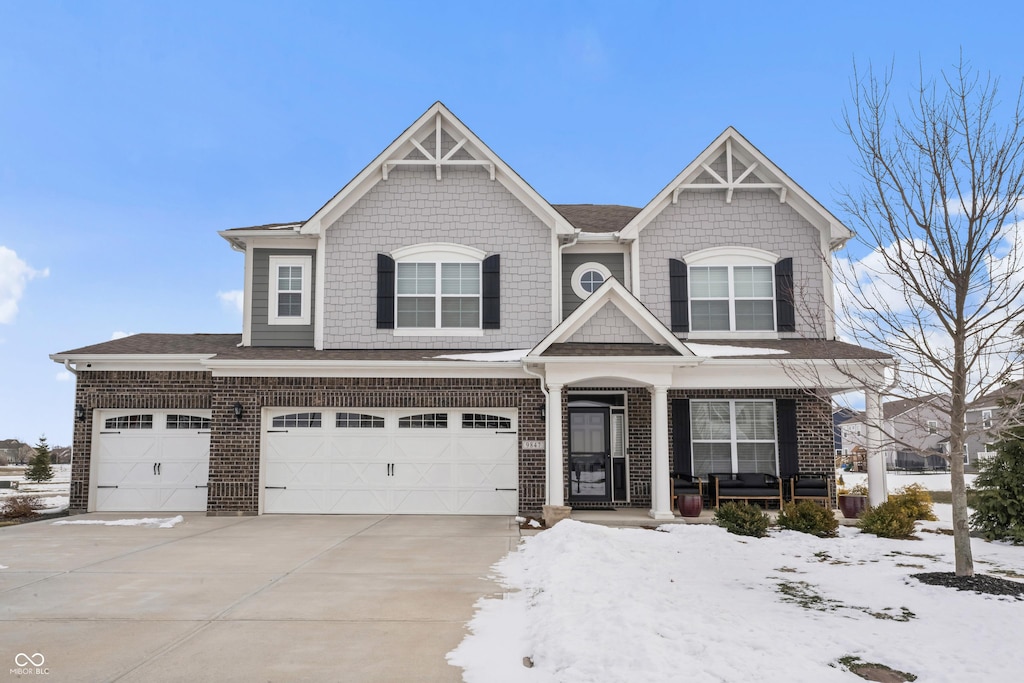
187,422
480,421
129,422
425,421
297,420
358,421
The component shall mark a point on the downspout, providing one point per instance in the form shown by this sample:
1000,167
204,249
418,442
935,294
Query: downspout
562,248
67,366
547,427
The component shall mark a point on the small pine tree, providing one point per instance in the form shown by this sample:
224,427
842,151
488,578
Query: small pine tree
999,505
39,466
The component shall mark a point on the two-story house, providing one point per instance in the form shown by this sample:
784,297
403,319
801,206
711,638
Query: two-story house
913,431
438,338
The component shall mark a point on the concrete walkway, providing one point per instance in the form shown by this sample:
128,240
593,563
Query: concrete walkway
272,598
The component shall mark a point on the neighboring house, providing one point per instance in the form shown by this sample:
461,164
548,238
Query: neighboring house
913,432
987,417
438,338
839,416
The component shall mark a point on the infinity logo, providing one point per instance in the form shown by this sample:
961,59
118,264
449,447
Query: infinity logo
22,659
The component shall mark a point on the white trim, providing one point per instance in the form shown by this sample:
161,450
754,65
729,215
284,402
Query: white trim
614,293
318,298
734,439
731,256
274,263
247,297
577,275
437,331
439,251
363,368
731,299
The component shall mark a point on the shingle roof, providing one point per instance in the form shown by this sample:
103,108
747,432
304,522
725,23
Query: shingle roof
597,217
270,226
225,347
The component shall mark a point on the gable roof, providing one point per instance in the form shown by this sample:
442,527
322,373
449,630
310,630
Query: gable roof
764,174
597,217
406,149
612,293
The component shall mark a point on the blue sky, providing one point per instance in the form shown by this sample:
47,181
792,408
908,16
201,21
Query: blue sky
130,132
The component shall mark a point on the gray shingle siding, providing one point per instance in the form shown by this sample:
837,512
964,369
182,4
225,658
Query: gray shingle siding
465,207
754,218
609,326
278,335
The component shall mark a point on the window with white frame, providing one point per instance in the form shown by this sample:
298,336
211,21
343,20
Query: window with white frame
588,277
733,436
732,298
731,290
933,426
289,295
986,419
437,286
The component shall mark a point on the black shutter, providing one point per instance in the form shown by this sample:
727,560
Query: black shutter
681,449
785,311
678,294
490,275
385,292
786,418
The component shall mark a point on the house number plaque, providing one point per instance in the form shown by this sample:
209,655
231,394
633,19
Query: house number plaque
533,445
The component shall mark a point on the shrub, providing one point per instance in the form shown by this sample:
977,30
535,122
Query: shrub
999,501
19,507
808,517
888,520
743,519
916,501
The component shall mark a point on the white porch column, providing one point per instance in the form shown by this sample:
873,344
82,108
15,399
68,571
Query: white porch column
660,498
874,444
556,481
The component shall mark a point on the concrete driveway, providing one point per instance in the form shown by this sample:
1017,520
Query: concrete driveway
272,598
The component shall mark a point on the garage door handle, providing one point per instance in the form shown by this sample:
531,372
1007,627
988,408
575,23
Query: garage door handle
106,487
277,431
504,432
110,432
505,489
202,486
206,432
275,487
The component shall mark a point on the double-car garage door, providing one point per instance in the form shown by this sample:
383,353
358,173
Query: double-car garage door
408,461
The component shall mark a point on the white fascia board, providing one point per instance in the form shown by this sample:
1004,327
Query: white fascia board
801,201
323,368
612,292
319,277
140,361
747,373
402,145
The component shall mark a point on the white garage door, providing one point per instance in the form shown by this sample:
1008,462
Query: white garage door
363,461
153,460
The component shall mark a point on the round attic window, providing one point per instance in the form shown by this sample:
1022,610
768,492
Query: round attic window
587,278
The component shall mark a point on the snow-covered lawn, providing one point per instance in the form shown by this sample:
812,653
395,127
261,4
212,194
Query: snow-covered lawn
150,522
692,602
53,494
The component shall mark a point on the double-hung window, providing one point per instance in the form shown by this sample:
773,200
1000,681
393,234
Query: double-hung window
732,298
733,436
438,295
289,291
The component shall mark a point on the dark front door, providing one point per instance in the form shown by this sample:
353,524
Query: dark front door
589,454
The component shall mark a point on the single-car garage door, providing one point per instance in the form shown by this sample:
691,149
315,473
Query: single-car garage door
364,461
151,460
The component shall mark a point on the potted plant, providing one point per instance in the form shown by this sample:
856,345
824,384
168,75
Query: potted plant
853,501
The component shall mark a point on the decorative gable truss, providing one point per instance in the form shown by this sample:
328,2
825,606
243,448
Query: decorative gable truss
732,170
446,151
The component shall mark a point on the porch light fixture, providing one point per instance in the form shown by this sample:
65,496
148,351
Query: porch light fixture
237,409
79,412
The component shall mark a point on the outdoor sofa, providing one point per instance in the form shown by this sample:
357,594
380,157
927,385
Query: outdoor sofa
744,486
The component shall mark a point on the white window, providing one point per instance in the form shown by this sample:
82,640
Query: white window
588,277
289,294
986,419
732,298
733,436
933,426
437,287
732,290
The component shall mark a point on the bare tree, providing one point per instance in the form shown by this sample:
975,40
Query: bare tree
938,207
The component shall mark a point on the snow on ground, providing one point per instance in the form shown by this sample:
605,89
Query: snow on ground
714,350
938,481
591,603
53,494
151,522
